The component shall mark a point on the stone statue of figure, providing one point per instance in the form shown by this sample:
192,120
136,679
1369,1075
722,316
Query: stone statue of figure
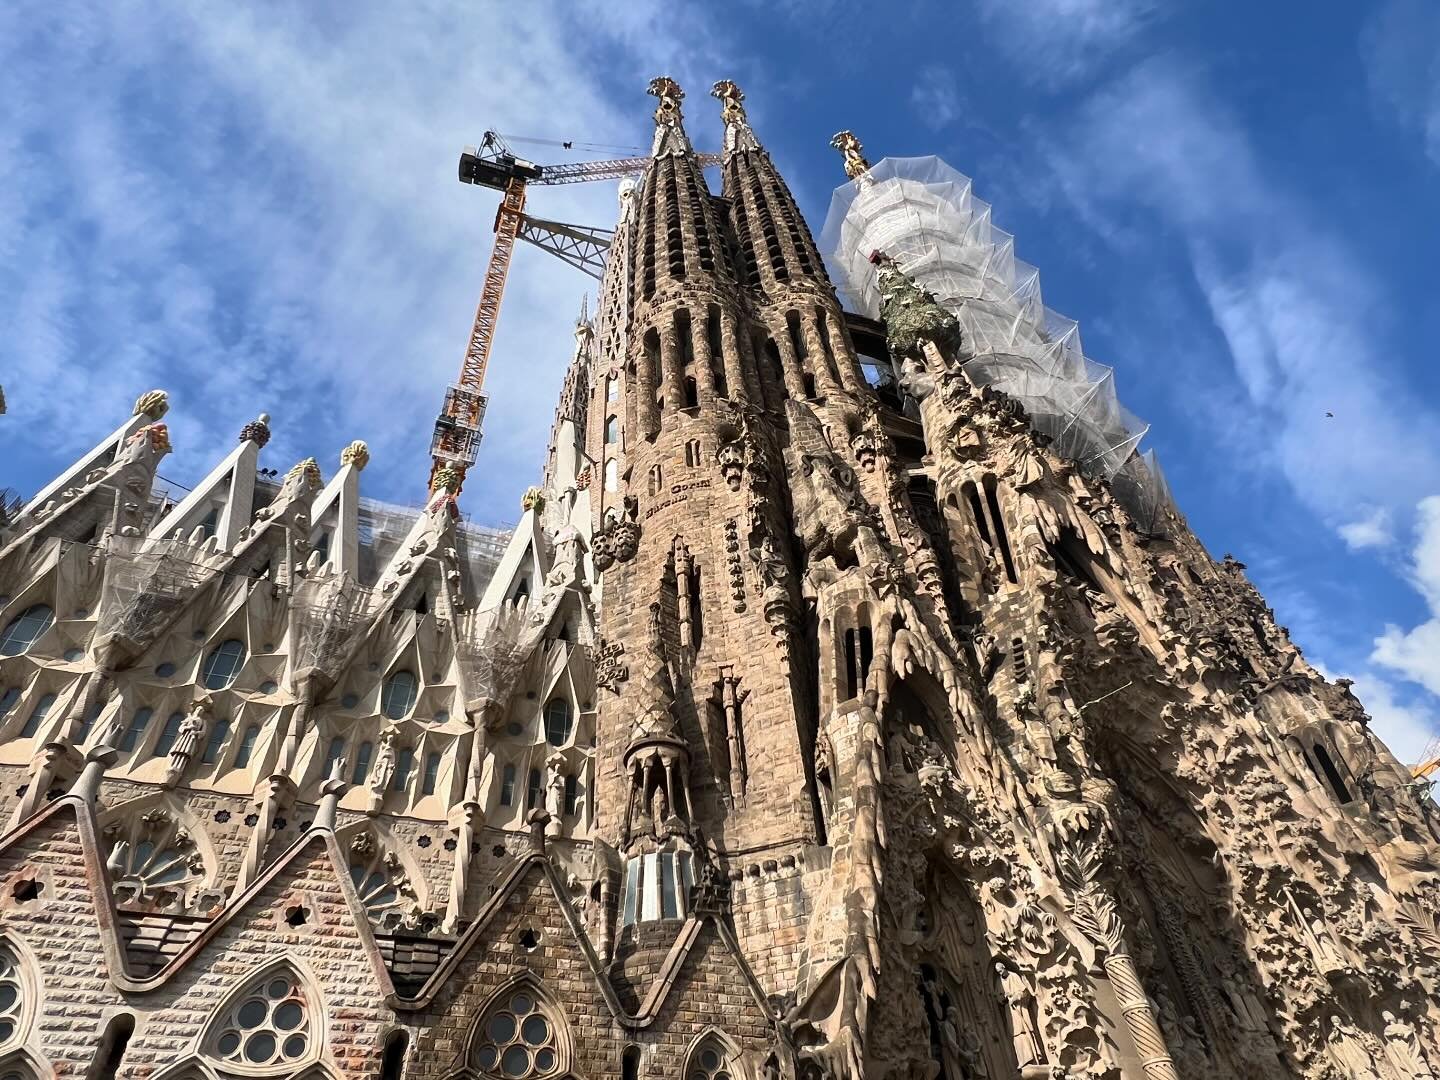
1349,1052
188,739
659,810
384,769
1402,1047
554,794
1328,957
1028,1048
961,1049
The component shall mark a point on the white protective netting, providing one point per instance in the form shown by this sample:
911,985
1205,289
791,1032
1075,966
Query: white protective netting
925,216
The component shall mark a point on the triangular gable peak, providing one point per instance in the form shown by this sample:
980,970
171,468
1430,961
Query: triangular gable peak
524,566
219,506
335,532
148,410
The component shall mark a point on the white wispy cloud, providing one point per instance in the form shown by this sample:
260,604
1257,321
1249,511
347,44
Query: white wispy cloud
936,97
1400,48
1055,42
256,207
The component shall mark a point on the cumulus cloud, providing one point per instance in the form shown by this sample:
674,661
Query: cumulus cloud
1415,653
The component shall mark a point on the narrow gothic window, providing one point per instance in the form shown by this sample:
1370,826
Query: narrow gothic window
113,1046
8,699
612,429
392,1065
657,479
404,762
992,499
168,734
26,629
630,1064
398,697
269,1024
215,742
507,786
333,753
572,794
362,763
692,394
612,389
557,721
612,475
1331,774
247,746
37,715
223,664
210,522
432,773
518,1038
533,790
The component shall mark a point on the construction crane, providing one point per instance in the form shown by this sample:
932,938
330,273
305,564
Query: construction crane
495,165
1429,761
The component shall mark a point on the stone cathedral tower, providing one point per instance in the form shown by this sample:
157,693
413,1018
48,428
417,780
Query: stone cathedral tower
849,702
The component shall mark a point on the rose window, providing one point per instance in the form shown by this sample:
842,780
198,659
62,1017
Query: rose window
12,997
269,1026
709,1064
518,1039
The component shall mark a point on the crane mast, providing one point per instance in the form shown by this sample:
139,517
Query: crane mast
456,440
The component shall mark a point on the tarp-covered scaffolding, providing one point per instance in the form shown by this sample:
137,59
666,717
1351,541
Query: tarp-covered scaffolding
925,216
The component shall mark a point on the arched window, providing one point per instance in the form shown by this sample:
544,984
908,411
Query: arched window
630,1064
223,664
612,475
267,1025
113,1046
432,773
25,629
398,698
612,429
247,746
214,743
572,794
507,786
533,790
168,736
710,1060
612,388
362,763
37,716
557,721
135,730
518,1038
333,753
12,997
392,1063
404,762
8,699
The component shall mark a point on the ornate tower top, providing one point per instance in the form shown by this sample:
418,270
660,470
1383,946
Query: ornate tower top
669,130
738,134
153,403
357,454
257,430
855,164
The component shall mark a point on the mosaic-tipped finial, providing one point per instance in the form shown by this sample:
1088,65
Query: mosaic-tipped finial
732,101
855,164
533,499
357,454
154,404
668,91
448,478
307,471
257,431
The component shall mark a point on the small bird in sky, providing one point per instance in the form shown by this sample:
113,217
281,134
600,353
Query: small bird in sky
1330,415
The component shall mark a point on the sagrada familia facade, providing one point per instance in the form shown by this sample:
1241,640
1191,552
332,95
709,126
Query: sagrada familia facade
850,702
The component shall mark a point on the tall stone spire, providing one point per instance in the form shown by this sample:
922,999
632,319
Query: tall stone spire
670,137
738,133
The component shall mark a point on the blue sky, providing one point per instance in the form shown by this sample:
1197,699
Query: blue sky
255,207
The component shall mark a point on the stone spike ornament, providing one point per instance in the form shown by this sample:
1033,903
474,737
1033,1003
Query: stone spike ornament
832,714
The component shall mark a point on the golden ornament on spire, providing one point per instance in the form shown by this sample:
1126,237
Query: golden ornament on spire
153,404
668,91
855,164
308,471
732,108
357,454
